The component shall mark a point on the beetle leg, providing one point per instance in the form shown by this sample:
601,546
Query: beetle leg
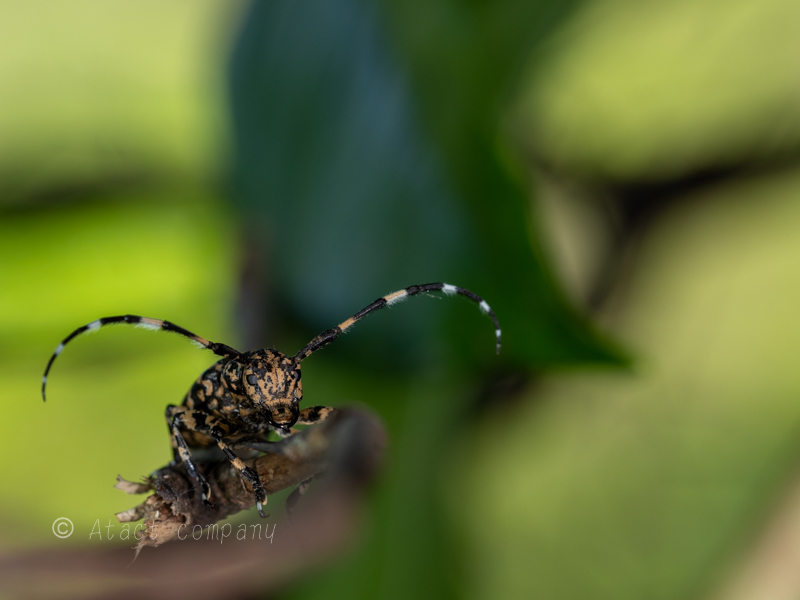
168,414
295,496
247,473
308,416
195,420
181,449
314,414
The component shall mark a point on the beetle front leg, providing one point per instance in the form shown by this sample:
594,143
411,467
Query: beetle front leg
181,450
195,420
168,415
308,416
314,414
247,473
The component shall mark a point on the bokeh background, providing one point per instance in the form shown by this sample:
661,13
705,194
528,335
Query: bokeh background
619,179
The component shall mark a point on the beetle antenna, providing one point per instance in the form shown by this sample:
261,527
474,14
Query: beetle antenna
146,323
326,337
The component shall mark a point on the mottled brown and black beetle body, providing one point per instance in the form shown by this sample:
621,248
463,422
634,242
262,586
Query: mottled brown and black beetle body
245,395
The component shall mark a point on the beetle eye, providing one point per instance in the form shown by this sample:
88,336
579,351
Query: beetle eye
252,379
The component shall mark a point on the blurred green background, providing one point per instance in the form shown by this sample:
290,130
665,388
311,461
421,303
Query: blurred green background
618,179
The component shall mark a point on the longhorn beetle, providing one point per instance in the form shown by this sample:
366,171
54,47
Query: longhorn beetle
247,394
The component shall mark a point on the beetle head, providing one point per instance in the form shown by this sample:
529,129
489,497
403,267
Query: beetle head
271,381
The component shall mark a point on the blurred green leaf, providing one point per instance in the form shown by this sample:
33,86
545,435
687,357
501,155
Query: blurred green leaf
368,149
367,145
60,269
646,483
657,90
109,94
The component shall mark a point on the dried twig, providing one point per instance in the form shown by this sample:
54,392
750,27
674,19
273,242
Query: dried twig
345,450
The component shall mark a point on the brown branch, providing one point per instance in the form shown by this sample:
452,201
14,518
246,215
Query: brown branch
345,450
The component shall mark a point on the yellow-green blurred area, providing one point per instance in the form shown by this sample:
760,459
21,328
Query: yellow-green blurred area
107,398
650,90
111,131
94,91
618,180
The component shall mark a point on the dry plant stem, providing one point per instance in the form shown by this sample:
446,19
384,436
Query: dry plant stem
346,447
